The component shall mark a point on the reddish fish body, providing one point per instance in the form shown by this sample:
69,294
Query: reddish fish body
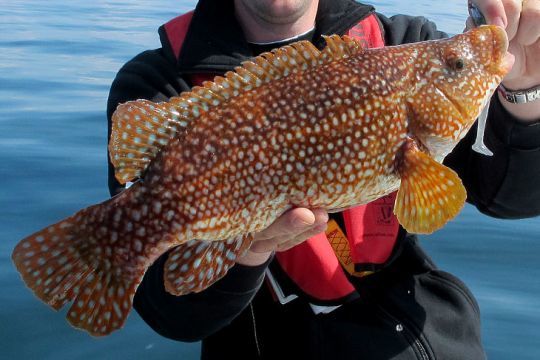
297,127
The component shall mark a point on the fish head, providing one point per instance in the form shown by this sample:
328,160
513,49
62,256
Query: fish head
454,80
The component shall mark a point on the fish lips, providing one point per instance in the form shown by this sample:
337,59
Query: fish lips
507,62
502,59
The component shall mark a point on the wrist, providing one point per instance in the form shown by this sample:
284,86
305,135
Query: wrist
252,258
527,112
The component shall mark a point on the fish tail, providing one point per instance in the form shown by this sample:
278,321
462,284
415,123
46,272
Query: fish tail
76,260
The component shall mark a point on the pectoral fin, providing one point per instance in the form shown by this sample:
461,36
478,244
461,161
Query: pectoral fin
430,193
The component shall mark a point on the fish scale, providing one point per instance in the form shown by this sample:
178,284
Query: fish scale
295,127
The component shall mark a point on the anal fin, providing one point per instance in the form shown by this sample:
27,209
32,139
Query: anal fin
430,194
197,264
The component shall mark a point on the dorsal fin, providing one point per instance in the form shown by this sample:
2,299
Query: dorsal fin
338,47
141,128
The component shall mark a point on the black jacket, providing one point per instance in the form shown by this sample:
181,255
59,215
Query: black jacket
383,323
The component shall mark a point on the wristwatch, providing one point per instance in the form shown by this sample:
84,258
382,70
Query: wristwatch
520,96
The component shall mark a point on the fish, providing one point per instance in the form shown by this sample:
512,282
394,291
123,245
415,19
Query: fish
295,127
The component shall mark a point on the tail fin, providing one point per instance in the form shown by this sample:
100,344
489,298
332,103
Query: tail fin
79,259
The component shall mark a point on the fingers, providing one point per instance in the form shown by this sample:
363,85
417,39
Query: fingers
293,221
512,9
302,237
294,226
528,32
520,18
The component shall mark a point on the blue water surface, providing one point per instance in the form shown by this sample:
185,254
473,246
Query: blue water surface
58,59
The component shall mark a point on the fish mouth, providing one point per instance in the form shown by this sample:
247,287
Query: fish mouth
502,59
455,104
507,62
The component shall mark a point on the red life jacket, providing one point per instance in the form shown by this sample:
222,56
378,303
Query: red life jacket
371,229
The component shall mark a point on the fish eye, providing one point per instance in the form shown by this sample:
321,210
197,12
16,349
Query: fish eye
456,63
459,64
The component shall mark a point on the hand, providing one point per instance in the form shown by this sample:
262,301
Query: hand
521,19
290,229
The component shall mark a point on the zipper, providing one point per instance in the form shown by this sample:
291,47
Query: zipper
421,349
255,336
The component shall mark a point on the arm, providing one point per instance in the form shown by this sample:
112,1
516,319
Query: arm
507,184
404,29
195,316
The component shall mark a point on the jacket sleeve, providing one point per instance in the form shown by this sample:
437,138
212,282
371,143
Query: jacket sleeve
506,185
195,316
404,29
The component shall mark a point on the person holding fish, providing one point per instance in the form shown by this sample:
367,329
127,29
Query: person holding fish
393,303
241,227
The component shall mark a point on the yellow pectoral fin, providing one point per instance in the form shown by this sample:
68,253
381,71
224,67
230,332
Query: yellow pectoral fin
430,193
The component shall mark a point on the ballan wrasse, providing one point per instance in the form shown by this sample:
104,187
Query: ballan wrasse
296,127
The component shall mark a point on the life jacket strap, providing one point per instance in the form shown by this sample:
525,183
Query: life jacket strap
340,245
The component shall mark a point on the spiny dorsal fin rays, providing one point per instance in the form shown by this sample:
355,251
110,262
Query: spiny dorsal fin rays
264,68
141,128
339,47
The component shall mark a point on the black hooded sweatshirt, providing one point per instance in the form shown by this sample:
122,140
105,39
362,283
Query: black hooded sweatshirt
409,309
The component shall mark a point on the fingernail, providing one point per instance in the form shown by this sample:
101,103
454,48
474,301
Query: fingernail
320,228
301,223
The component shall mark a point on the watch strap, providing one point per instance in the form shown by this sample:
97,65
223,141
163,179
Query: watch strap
520,96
